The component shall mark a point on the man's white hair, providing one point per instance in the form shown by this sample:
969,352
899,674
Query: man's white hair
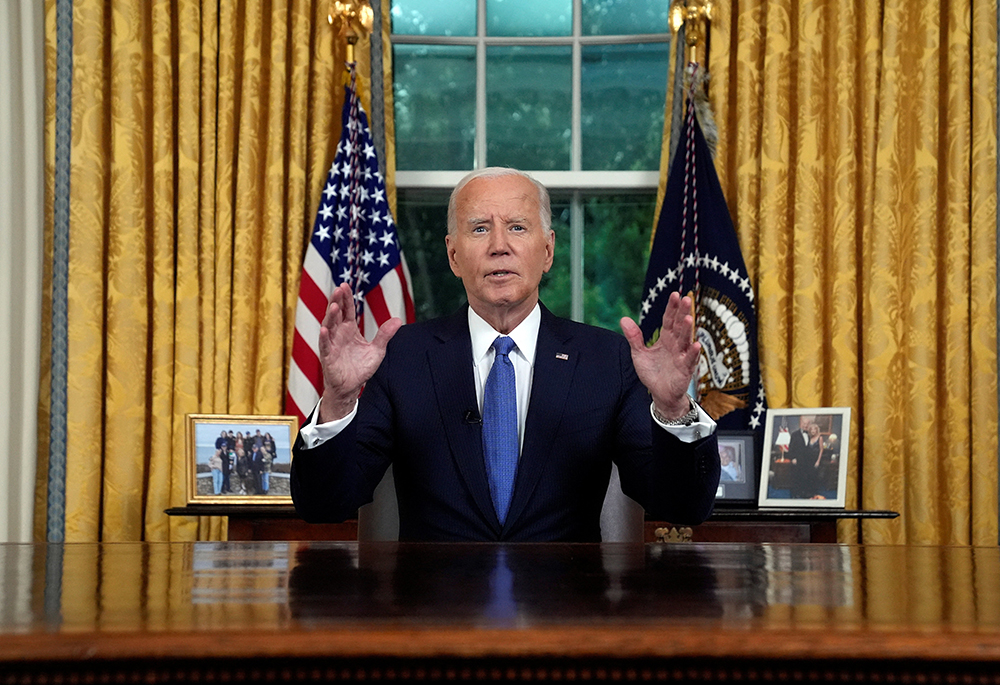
544,204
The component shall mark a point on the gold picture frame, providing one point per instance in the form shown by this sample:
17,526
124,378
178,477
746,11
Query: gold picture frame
257,450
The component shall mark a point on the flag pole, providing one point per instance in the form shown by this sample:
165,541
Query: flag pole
354,238
696,17
695,249
352,19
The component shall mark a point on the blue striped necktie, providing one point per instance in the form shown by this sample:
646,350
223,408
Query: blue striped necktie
500,444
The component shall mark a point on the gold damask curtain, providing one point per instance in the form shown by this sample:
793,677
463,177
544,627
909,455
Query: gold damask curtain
201,137
858,155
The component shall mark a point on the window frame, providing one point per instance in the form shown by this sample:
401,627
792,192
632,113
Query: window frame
575,181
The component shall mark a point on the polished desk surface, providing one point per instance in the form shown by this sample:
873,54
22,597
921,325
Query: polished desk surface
760,603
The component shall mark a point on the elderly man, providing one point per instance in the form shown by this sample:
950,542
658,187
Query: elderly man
502,420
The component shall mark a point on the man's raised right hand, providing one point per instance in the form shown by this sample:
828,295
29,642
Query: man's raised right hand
348,359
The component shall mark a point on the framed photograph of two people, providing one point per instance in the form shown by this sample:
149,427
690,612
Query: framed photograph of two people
805,457
237,459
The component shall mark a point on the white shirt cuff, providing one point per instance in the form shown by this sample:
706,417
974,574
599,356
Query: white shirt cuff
704,426
315,434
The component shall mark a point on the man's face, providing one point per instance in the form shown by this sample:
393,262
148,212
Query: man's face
499,248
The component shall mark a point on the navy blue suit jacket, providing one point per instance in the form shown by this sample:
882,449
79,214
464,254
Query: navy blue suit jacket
419,412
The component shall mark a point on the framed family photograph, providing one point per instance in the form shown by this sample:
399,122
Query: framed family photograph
236,459
805,457
738,481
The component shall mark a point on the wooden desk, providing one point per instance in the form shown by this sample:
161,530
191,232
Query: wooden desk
280,522
248,613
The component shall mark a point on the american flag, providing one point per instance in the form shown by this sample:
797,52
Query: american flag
354,241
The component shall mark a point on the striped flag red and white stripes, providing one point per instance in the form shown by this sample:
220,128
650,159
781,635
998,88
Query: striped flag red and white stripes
354,240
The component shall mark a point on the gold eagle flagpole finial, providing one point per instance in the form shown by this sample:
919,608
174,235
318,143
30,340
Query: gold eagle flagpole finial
694,15
352,19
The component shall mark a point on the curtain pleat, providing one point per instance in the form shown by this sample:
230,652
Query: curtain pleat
982,342
858,156
202,135
388,108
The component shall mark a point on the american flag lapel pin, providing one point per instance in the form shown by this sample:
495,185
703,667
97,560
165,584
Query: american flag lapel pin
562,355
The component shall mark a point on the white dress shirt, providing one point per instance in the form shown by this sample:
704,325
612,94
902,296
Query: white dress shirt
523,358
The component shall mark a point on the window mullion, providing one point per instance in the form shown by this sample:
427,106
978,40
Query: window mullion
576,162
576,256
479,146
576,127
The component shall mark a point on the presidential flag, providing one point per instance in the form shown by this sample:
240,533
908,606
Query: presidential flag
353,241
696,251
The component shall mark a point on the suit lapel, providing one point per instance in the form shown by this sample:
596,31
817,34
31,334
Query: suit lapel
454,387
556,359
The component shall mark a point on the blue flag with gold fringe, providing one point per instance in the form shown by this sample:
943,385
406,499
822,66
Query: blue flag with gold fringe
695,251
